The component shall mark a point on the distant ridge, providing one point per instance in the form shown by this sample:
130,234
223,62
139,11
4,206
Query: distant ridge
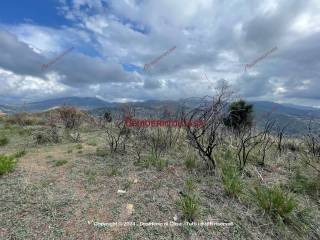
85,103
296,116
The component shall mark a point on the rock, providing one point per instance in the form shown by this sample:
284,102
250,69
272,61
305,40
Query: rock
130,208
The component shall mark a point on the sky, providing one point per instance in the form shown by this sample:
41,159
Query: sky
112,40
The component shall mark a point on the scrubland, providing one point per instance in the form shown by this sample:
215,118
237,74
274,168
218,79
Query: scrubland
58,178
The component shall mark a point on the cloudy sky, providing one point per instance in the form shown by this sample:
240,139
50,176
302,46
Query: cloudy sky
113,39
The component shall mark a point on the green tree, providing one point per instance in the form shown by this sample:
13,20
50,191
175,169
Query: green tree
240,114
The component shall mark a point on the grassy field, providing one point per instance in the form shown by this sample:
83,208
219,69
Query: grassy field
59,190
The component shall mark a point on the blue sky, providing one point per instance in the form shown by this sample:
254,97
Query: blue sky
41,12
113,39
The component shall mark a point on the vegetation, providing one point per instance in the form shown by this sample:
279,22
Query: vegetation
58,163
274,201
20,153
189,203
302,184
232,181
190,161
113,173
3,141
240,115
7,164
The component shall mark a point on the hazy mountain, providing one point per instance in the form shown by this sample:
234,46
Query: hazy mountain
7,109
85,103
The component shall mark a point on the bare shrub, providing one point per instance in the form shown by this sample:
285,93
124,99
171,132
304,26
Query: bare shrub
207,137
70,117
115,140
280,132
312,142
157,141
267,140
118,136
247,140
138,141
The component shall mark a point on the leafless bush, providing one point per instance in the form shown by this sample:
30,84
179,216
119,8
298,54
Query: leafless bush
157,141
138,141
267,140
312,142
70,117
118,136
280,132
246,140
207,137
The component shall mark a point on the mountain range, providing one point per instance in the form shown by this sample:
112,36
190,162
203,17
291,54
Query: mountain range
296,116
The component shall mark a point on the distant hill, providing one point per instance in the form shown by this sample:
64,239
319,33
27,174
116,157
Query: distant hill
296,116
85,103
287,109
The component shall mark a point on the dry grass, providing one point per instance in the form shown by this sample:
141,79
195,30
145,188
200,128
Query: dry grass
42,201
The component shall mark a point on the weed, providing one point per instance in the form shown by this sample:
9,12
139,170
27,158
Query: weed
190,186
189,205
153,160
102,152
274,201
20,153
113,172
127,185
4,141
92,142
91,175
79,146
189,202
7,164
299,183
190,161
24,131
231,180
58,163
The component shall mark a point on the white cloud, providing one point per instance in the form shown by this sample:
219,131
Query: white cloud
212,37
